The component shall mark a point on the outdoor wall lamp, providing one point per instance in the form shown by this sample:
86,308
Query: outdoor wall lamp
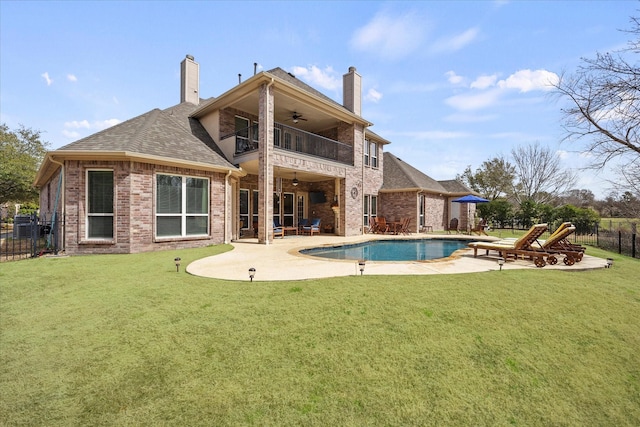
177,261
252,273
609,263
500,262
361,265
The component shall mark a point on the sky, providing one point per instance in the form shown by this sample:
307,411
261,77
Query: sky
450,83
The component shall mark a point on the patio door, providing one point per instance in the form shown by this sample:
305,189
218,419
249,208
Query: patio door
284,208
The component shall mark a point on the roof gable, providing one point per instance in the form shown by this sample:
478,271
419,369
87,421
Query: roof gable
169,133
398,175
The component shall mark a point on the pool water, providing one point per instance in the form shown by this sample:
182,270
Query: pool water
391,250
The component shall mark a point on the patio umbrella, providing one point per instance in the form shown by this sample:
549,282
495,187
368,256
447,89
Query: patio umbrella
470,198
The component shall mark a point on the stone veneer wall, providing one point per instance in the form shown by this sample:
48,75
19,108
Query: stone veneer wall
134,209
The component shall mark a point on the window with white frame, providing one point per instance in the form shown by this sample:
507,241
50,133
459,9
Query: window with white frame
366,152
182,206
373,150
369,208
99,204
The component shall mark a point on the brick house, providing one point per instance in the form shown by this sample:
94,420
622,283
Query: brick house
219,169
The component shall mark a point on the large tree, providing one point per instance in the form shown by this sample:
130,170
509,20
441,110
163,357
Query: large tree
539,176
21,152
604,110
493,179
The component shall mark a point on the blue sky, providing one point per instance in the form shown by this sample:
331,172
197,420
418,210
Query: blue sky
450,84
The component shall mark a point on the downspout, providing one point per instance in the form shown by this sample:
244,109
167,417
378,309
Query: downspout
62,201
226,207
265,220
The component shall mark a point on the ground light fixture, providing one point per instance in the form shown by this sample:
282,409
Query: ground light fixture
361,264
500,262
609,263
252,273
177,262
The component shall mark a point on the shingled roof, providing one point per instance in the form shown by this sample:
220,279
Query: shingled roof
168,133
455,187
398,176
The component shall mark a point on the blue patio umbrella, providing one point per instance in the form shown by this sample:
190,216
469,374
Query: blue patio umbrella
470,198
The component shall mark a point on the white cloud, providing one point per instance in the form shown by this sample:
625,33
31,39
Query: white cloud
72,78
313,75
527,80
83,124
70,134
453,78
46,77
106,123
390,37
373,96
457,42
469,118
473,101
484,82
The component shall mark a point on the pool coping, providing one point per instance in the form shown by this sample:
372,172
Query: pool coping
281,260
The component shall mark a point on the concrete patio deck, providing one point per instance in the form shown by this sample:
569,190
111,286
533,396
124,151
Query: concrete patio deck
282,260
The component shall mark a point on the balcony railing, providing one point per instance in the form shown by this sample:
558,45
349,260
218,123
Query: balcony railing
295,140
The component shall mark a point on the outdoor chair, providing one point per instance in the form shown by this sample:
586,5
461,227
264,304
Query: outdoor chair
453,226
277,229
404,229
480,228
313,227
381,225
303,223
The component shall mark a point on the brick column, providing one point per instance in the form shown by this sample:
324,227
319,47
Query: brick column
265,165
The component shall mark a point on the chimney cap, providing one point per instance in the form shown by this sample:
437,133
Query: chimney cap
190,57
352,69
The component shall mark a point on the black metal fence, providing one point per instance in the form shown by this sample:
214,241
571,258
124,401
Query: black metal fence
29,236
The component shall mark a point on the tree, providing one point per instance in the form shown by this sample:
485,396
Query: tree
493,179
604,110
539,176
21,152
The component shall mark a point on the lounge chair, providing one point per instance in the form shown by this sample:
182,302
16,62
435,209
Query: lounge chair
556,245
453,226
313,227
516,247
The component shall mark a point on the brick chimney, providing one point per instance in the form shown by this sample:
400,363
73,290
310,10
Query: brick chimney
189,80
352,91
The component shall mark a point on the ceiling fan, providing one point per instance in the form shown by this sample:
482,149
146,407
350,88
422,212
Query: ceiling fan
295,117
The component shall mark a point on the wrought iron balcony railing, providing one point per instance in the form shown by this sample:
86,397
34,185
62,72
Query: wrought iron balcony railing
295,140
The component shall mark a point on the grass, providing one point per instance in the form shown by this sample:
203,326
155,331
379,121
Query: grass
125,340
615,224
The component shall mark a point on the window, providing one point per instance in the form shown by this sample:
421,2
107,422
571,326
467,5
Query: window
244,209
366,152
369,208
182,206
100,204
374,154
242,134
422,209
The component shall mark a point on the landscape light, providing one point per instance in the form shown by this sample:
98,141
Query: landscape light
361,264
500,262
177,261
609,262
252,273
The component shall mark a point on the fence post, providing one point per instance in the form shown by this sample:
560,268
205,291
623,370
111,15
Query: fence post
633,240
619,241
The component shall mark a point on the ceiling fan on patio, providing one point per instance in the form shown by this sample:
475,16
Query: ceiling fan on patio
295,117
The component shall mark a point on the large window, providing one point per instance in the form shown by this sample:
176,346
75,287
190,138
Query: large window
366,152
100,204
374,154
369,208
182,206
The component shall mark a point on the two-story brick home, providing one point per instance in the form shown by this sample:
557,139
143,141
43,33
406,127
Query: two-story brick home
271,149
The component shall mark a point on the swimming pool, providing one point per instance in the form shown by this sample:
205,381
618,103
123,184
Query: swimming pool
391,250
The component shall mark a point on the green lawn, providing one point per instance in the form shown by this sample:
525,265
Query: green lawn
125,340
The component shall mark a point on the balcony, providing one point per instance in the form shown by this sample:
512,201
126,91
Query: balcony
294,140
